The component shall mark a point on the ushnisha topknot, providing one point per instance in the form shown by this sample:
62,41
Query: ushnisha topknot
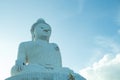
39,21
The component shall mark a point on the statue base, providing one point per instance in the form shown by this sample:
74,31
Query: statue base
39,76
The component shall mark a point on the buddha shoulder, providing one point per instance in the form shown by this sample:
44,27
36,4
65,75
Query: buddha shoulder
55,46
26,44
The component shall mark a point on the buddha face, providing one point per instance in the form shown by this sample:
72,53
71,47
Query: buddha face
42,31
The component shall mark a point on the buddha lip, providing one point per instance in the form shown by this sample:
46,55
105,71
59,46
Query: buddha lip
46,30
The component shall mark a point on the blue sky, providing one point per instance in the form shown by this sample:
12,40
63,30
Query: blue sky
79,27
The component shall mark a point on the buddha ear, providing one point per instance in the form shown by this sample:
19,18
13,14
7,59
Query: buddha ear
33,36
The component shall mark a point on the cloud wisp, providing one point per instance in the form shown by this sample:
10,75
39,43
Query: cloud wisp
109,45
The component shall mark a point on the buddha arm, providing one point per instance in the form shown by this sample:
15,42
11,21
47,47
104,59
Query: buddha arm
21,57
58,58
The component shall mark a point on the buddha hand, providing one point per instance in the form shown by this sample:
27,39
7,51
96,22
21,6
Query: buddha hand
19,65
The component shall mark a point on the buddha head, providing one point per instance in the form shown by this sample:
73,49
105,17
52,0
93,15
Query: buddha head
41,30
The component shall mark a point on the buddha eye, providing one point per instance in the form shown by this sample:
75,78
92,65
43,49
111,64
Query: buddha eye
41,27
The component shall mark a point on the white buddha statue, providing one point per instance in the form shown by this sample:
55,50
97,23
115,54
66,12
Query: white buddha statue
40,56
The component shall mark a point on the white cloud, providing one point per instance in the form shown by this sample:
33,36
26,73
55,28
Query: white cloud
104,45
108,68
